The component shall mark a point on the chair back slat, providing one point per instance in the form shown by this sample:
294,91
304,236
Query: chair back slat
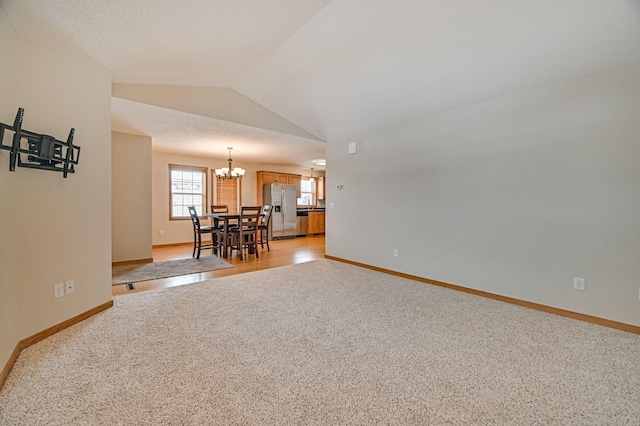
219,208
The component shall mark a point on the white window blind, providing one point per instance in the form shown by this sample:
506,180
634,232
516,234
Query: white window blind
227,193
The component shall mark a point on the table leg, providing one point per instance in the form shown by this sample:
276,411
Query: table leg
225,237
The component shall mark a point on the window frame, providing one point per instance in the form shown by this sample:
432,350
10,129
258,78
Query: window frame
314,191
204,171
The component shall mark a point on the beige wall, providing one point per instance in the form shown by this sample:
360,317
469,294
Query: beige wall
53,229
514,197
130,197
181,231
9,329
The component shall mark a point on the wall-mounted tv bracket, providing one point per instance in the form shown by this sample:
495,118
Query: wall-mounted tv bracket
42,151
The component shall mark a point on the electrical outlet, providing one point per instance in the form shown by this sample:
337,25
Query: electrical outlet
69,287
579,284
162,233
58,290
395,253
332,206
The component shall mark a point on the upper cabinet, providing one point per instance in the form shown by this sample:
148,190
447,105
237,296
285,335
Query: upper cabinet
295,180
275,177
320,188
269,177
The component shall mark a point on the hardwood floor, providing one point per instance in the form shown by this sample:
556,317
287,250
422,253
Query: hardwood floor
283,252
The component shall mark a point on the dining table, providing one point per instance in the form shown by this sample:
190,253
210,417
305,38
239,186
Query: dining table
227,219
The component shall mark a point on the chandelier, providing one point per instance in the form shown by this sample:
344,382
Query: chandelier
230,172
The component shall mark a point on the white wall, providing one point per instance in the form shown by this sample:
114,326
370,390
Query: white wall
53,229
217,102
131,197
514,197
181,231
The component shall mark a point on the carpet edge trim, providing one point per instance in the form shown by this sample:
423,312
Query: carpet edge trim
531,305
225,264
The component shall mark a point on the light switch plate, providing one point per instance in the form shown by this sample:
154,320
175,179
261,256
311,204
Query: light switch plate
58,290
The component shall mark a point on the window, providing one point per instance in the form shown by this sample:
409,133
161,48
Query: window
307,193
226,192
188,186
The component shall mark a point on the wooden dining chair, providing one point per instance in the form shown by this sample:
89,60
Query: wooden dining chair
199,230
220,208
245,235
223,208
263,228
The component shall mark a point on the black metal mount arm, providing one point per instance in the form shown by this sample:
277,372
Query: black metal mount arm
40,151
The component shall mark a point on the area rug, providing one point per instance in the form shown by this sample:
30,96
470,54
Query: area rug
125,274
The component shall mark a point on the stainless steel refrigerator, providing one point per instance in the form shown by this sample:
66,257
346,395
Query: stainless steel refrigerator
283,216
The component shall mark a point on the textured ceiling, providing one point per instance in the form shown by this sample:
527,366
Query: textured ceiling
177,42
192,134
334,68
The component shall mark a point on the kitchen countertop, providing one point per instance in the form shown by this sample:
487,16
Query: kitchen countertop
305,212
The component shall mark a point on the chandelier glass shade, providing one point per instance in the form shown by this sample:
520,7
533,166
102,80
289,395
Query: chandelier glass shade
230,172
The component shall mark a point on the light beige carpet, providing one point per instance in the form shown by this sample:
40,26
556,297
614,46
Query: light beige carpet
124,274
324,343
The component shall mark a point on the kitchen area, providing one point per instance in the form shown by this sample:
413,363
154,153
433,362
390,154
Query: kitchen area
298,204
310,220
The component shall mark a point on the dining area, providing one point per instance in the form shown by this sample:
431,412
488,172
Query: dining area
224,232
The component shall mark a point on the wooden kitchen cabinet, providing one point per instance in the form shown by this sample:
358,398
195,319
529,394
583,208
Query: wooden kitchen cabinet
275,177
320,188
316,223
295,180
267,177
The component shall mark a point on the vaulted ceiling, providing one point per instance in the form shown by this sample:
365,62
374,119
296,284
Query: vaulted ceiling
318,70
